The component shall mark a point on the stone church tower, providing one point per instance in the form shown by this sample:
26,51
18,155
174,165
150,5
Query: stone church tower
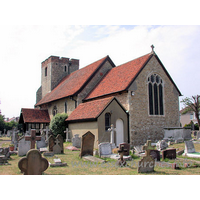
53,70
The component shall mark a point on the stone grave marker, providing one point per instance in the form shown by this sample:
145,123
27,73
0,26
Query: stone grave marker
0,133
51,142
76,141
58,163
33,163
198,135
121,162
41,143
56,147
155,154
126,146
169,153
33,138
4,155
147,163
87,144
67,135
47,130
161,144
9,133
14,138
189,147
60,139
105,149
23,146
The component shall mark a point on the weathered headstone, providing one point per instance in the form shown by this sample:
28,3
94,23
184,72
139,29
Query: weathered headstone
4,155
169,153
41,143
14,138
67,135
138,149
23,146
155,154
126,146
33,163
33,138
58,163
147,163
121,162
105,149
87,144
76,141
161,144
189,147
56,147
0,133
60,139
51,142
198,135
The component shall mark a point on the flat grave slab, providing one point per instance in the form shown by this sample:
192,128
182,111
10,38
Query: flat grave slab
93,159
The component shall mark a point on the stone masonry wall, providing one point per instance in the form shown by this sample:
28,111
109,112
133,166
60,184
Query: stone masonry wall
150,127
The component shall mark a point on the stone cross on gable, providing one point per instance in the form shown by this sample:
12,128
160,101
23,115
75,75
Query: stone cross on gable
67,134
147,147
112,130
33,138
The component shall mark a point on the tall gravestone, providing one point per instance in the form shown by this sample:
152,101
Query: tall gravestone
76,141
23,146
55,141
147,163
87,144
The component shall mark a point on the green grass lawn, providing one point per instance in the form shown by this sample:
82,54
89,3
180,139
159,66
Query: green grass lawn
76,166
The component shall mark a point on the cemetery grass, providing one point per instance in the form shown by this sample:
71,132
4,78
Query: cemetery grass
76,166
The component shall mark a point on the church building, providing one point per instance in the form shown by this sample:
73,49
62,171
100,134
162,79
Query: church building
138,97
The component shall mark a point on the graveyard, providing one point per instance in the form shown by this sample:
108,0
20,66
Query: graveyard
70,160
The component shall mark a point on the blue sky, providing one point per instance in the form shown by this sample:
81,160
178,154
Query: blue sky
89,30
23,48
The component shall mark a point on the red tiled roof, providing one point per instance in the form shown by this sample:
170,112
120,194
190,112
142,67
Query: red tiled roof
29,115
72,83
89,110
119,78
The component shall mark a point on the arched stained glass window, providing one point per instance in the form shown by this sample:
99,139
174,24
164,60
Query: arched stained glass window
155,89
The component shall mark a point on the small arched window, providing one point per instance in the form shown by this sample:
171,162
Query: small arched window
155,88
55,110
107,121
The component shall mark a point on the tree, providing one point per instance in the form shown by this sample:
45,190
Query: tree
57,124
192,104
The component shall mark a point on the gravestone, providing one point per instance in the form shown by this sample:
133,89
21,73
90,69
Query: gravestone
0,133
161,144
155,154
51,142
9,133
147,163
4,155
33,138
198,135
189,147
23,146
42,143
33,163
105,149
58,163
14,138
60,139
76,141
138,149
121,162
56,147
169,153
126,146
47,130
67,135
87,144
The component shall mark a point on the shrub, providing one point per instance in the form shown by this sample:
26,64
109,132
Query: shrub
57,124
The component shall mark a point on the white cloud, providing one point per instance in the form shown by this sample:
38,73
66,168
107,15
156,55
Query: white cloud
23,48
